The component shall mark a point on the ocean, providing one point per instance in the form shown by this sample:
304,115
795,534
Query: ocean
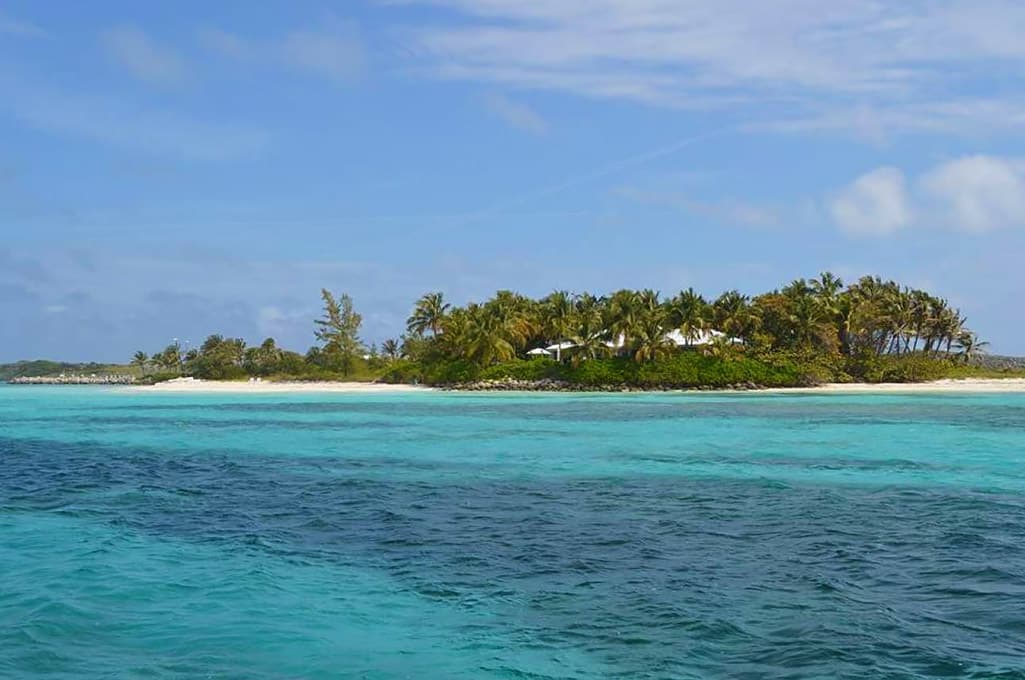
535,536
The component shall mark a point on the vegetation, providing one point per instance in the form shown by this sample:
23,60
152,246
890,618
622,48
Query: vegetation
340,354
44,368
807,332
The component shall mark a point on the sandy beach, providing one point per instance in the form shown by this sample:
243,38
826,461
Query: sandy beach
939,386
264,387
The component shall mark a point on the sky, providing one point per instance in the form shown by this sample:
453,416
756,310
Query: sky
171,170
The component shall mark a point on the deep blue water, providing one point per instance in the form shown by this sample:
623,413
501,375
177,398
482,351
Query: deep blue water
511,536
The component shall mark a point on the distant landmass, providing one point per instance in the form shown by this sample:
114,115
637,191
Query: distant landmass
999,363
46,368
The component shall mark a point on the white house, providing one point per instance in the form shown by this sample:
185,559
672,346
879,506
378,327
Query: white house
675,336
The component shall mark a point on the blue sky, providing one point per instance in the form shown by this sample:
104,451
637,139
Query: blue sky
177,169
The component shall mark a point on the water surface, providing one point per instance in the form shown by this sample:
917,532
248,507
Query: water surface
511,536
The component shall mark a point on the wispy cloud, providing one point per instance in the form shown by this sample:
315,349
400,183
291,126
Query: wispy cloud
805,62
337,54
19,27
729,211
973,194
122,123
143,57
334,51
515,114
225,43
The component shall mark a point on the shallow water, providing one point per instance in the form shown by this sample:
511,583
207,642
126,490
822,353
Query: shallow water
511,536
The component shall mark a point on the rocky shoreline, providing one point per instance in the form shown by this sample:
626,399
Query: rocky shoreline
74,380
549,385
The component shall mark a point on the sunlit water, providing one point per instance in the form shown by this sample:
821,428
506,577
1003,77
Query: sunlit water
510,536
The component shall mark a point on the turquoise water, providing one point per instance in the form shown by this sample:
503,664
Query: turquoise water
510,536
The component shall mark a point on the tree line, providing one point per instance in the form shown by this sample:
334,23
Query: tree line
820,315
339,351
821,318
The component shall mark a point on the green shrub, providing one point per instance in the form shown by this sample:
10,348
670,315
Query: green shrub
403,372
905,368
598,372
524,369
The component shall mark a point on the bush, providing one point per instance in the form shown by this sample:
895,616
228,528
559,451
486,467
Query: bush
524,369
597,372
906,368
450,372
403,372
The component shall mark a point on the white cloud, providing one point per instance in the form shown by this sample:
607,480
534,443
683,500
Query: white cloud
978,193
974,194
806,62
19,28
877,203
137,52
334,51
515,114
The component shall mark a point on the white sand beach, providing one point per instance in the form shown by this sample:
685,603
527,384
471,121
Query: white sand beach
938,386
189,385
264,387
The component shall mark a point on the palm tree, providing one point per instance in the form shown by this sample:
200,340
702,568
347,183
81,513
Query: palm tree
827,288
732,314
624,316
651,342
171,358
428,314
969,346
141,360
490,338
589,336
688,313
556,319
391,349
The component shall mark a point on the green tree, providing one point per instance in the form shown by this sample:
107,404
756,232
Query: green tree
969,346
490,335
428,315
170,359
338,331
391,349
141,361
688,313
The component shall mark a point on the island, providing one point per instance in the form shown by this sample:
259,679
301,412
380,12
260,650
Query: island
807,333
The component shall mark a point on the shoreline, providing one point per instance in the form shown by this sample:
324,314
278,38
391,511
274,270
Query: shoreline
239,387
966,385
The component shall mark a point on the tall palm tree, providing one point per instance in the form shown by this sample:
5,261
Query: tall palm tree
688,313
428,315
969,346
490,337
733,315
391,349
141,361
624,316
827,288
557,318
650,340
589,335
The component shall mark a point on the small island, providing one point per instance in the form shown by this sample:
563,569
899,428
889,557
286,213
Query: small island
807,333
804,334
